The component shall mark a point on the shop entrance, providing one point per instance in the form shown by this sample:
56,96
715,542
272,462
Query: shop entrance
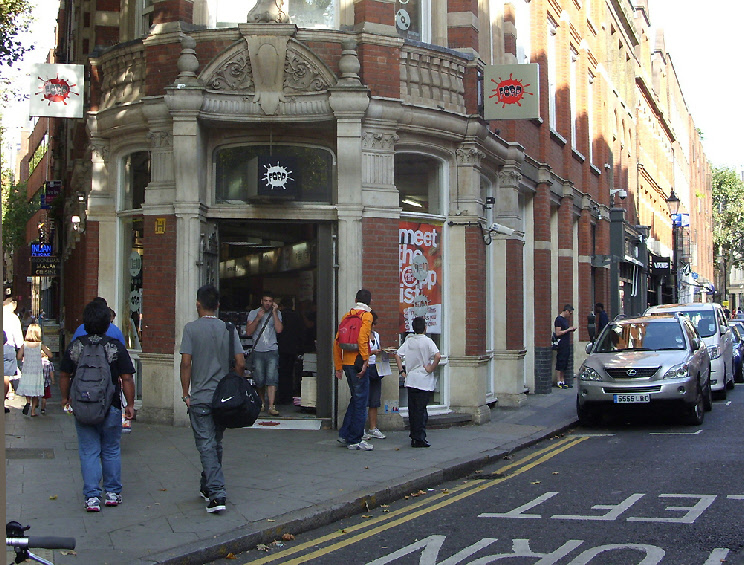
294,261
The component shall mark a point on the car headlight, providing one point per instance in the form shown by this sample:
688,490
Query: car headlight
676,372
715,351
589,374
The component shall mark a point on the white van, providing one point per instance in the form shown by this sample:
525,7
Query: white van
710,322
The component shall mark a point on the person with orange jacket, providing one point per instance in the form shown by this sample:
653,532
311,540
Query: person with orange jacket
353,363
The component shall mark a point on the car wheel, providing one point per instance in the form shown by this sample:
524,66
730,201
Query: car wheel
587,416
696,412
730,384
708,396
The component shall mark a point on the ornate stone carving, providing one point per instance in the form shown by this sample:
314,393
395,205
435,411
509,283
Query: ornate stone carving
302,75
187,64
509,177
99,150
268,11
160,139
234,74
380,141
268,54
469,156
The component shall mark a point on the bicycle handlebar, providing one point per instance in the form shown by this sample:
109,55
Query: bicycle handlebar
44,542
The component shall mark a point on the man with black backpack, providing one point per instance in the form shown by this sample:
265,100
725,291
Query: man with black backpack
94,371
204,362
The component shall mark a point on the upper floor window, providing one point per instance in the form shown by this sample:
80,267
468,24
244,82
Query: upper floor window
552,73
136,177
412,19
419,182
303,13
288,172
573,63
523,22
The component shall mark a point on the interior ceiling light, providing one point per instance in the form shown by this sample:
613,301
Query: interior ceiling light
412,202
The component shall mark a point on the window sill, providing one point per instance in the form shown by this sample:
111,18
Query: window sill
558,137
578,156
595,169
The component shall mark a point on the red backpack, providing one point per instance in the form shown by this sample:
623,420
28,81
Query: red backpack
348,331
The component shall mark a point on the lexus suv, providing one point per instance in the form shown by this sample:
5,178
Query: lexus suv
647,362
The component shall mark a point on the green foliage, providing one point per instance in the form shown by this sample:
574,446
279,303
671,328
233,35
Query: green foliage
15,18
728,217
17,211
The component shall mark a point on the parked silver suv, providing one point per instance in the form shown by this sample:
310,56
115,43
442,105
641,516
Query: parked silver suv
710,322
648,361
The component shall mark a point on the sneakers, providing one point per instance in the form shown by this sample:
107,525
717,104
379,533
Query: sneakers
342,441
93,504
561,385
112,499
273,411
362,446
204,493
374,433
216,505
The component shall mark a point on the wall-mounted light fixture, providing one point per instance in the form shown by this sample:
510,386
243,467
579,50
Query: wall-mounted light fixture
77,224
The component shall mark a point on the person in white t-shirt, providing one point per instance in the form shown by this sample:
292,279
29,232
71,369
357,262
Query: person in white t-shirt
421,357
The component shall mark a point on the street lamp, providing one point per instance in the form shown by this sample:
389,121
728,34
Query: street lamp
673,203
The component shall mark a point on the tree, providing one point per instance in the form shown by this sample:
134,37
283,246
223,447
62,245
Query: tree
15,18
17,211
728,221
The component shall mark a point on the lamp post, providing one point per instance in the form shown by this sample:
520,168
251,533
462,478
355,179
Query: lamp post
673,203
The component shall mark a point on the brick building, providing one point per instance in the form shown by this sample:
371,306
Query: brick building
346,149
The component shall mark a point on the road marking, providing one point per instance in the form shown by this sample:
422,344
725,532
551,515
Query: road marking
675,433
694,512
614,510
395,518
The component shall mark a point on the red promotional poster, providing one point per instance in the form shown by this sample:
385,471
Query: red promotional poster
420,269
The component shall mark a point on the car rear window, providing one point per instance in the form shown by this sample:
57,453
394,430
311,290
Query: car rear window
642,336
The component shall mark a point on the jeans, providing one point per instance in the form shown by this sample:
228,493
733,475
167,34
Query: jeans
352,429
208,439
99,447
266,368
417,413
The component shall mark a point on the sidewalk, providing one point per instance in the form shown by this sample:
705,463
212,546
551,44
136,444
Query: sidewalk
277,480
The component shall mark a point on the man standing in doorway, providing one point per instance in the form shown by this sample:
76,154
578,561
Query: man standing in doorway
602,318
563,329
205,352
264,324
353,364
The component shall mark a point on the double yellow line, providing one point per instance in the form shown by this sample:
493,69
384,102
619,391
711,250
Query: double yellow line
363,530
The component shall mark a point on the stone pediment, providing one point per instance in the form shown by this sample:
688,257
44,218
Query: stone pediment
268,69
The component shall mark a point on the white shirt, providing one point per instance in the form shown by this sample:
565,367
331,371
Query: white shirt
374,343
419,350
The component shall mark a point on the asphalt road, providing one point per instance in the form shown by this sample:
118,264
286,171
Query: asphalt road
640,490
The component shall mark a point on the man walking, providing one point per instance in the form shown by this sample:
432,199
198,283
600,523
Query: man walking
99,445
353,364
563,329
602,318
204,361
264,324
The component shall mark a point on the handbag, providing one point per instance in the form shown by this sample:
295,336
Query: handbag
235,403
554,341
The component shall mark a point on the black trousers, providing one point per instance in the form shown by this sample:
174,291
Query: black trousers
417,414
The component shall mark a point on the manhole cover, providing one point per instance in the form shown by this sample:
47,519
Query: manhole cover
28,453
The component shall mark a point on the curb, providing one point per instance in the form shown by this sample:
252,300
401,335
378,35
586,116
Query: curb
301,521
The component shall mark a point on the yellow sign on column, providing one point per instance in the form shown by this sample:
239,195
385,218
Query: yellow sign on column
159,226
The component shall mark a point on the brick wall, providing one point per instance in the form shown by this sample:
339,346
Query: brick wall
173,11
475,313
81,276
159,298
373,11
162,67
380,275
515,295
377,62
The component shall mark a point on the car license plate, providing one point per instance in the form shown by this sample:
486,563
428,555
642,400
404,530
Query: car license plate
631,398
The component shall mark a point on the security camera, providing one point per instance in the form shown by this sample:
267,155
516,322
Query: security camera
623,194
499,228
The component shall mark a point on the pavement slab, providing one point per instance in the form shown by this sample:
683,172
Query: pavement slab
277,481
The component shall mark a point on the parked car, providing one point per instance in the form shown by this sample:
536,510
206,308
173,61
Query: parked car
738,337
710,322
649,361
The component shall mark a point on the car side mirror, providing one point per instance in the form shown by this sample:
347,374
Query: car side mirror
589,347
696,344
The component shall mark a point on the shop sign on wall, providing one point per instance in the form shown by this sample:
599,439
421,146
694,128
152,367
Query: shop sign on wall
420,271
44,266
510,92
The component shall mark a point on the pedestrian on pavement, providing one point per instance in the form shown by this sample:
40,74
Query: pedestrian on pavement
375,382
264,324
10,366
421,357
113,330
47,367
205,352
99,445
12,324
563,329
32,378
354,365
602,318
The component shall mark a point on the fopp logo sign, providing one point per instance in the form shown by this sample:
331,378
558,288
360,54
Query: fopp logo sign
57,91
510,92
278,176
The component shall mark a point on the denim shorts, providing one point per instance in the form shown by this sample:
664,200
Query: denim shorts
266,368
